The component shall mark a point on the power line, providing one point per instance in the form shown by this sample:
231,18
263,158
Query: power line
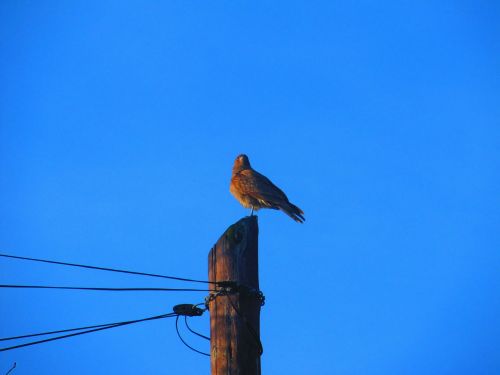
252,331
12,368
184,342
106,269
192,331
100,328
106,289
65,330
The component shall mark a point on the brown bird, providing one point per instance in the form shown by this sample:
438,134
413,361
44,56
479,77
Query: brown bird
256,191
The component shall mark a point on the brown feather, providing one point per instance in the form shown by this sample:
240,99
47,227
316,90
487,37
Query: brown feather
254,190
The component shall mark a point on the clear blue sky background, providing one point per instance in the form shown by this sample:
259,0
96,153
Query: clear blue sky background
120,121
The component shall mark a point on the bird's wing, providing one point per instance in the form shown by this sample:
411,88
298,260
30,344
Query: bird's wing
259,186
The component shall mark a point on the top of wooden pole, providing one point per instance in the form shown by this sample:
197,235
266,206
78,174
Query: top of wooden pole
240,243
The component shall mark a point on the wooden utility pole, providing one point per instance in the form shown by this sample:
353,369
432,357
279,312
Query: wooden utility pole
235,346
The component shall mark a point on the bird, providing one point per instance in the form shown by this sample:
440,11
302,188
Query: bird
254,190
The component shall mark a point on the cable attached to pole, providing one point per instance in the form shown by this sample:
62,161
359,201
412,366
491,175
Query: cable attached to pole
189,310
105,289
65,330
241,289
192,331
99,328
12,368
184,342
252,331
106,269
186,310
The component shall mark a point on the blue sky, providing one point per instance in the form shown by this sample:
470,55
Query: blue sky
119,124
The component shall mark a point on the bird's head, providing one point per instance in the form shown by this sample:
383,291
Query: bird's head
241,162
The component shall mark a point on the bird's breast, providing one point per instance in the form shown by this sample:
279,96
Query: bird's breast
246,200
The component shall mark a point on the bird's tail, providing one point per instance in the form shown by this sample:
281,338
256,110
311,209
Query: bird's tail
293,211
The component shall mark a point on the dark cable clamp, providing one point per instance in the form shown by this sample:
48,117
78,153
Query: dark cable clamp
187,309
228,284
232,287
252,292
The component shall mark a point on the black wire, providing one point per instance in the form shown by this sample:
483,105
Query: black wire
12,368
63,330
248,325
184,342
54,332
107,289
190,330
111,325
107,269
